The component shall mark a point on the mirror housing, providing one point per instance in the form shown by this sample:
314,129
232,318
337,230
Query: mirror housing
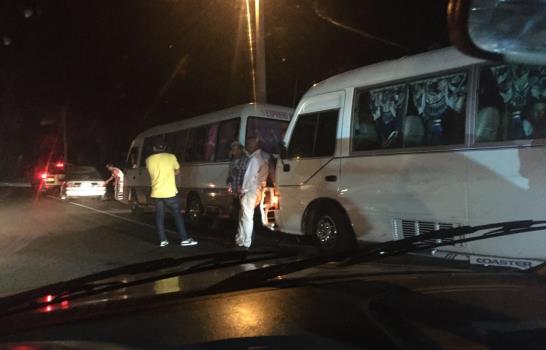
512,31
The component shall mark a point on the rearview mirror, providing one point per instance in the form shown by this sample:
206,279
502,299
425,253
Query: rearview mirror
503,30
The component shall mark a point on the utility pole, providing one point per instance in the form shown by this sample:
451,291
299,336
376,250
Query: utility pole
261,87
65,144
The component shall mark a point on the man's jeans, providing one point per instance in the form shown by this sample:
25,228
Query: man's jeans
174,206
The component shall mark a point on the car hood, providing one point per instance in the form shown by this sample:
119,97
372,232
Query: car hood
446,305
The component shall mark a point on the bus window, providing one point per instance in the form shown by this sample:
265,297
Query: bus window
229,132
270,132
314,135
133,157
379,118
425,112
511,103
440,102
303,137
179,144
201,144
325,138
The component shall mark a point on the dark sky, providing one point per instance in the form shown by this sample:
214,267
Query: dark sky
109,61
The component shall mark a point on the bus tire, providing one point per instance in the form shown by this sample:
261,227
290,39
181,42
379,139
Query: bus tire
194,209
331,229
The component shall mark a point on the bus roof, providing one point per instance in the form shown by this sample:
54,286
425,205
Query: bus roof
252,109
387,71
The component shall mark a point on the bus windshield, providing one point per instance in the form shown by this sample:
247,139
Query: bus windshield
270,131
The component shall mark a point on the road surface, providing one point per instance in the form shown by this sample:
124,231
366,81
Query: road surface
44,240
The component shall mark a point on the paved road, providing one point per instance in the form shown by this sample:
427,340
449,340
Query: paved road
44,240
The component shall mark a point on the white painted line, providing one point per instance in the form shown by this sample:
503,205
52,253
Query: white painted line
136,222
15,184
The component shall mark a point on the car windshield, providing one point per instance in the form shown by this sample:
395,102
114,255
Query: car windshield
82,173
300,127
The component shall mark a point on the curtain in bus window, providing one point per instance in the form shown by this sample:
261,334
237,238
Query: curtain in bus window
388,106
229,132
523,91
270,132
201,144
210,147
440,103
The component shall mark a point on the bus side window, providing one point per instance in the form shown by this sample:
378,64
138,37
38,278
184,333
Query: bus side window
314,135
511,103
201,144
133,158
228,132
440,103
365,135
303,136
179,144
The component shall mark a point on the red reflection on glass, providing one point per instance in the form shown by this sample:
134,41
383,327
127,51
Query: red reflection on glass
65,304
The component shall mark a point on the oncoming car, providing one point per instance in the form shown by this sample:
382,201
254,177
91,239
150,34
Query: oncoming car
82,181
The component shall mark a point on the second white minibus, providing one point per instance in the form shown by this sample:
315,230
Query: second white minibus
202,146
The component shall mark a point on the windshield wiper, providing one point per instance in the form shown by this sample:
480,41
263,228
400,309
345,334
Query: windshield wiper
373,252
89,285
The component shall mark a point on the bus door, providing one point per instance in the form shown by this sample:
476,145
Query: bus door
310,168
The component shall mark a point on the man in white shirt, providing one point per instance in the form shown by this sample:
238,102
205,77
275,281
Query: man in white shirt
251,191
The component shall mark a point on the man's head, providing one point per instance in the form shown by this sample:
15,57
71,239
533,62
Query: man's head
236,149
159,146
252,144
110,166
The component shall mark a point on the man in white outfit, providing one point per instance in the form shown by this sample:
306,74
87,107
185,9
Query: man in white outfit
251,191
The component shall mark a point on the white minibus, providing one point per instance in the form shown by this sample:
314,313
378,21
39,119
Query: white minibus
202,146
407,146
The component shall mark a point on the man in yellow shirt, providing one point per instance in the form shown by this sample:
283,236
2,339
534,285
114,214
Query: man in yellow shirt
163,167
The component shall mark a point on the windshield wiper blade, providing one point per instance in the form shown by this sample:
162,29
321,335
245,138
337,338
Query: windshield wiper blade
88,285
443,237
376,251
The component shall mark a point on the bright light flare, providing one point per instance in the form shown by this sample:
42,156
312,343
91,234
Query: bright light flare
43,176
251,46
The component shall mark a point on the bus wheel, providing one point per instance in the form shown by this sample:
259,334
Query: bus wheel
194,209
331,228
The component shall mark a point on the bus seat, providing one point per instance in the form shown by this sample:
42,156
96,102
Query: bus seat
366,136
487,124
413,131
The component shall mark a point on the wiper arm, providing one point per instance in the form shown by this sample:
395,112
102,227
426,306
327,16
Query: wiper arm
87,285
373,252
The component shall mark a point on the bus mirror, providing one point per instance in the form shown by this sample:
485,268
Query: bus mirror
500,30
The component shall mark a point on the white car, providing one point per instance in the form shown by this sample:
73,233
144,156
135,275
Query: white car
82,181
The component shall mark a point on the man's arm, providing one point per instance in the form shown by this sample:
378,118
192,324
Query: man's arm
176,166
250,181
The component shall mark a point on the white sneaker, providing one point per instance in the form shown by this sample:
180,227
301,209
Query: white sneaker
164,243
188,242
